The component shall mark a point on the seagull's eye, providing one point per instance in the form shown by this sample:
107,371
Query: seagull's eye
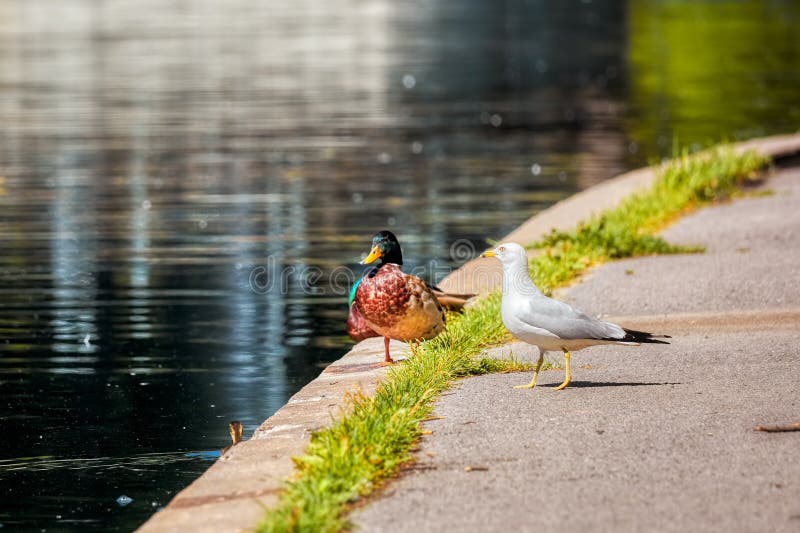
501,249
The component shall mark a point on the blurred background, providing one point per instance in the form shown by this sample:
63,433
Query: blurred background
154,155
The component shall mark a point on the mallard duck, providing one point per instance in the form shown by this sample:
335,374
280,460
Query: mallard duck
358,329
549,324
393,304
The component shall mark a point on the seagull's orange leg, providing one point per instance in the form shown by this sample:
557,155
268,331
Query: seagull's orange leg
532,384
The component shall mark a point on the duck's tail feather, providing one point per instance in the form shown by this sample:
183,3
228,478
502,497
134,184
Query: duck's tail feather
454,302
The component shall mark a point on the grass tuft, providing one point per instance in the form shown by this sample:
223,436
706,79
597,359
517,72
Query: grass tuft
490,365
374,436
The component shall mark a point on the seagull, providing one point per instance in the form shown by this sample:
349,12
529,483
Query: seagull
549,324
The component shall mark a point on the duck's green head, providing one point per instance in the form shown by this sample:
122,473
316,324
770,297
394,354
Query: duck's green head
386,248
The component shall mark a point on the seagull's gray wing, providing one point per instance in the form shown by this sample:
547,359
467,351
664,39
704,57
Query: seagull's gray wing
565,322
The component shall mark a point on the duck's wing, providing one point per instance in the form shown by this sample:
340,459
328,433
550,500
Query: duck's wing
426,298
563,321
419,286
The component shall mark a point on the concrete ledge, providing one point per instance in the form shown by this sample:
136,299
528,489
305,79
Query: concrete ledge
233,494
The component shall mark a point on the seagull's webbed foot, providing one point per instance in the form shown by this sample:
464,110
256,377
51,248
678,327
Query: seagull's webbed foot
568,376
532,384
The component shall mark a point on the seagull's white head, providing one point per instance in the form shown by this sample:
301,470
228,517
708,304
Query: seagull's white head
516,280
510,254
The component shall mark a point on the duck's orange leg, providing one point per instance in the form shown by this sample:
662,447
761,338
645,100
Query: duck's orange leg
387,359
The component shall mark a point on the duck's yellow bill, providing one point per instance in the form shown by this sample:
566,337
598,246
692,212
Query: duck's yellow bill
374,254
488,253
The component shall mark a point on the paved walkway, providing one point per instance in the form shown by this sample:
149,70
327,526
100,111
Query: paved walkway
654,438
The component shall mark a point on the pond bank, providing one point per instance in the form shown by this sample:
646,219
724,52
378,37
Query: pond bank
233,493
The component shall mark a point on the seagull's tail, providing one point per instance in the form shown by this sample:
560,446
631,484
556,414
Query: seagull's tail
631,335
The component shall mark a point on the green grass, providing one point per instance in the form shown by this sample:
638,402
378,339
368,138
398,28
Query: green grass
683,184
374,435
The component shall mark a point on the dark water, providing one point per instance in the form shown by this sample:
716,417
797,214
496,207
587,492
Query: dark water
187,188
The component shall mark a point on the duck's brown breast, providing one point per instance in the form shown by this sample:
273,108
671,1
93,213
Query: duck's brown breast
384,297
399,306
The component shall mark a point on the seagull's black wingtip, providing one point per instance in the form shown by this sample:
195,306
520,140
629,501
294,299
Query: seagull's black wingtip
632,335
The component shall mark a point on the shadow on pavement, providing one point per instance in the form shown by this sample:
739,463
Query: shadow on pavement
588,384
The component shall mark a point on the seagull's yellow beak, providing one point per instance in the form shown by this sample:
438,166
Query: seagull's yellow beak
488,253
374,254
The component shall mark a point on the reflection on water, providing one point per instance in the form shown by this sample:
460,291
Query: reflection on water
703,71
154,156
107,464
